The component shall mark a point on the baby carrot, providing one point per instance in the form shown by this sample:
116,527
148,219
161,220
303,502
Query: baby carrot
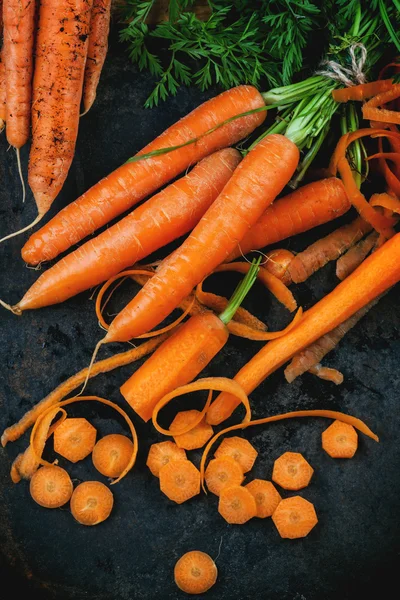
97,50
162,453
240,450
51,486
197,436
74,439
291,471
195,572
294,517
179,480
91,503
266,496
221,473
237,505
112,454
340,440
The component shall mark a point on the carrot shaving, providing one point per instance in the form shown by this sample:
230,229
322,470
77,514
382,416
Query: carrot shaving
363,91
386,201
371,110
193,424
252,334
218,305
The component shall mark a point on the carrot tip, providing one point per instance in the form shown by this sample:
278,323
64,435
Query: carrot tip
14,309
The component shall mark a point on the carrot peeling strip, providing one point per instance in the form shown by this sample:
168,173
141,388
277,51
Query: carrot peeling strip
386,201
166,400
363,91
253,334
219,303
371,110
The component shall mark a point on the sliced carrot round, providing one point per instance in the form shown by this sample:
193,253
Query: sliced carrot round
237,505
195,437
221,473
239,449
161,454
294,517
51,486
112,454
74,439
91,503
266,496
195,572
292,471
179,480
340,440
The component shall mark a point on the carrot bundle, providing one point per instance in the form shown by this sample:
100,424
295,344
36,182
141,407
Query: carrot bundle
136,179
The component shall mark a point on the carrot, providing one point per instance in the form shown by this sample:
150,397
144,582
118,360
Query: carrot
307,207
74,439
161,454
91,503
355,255
294,517
97,50
362,91
3,105
266,496
291,471
377,273
240,450
340,440
197,436
327,373
179,480
237,505
112,454
221,473
371,110
386,201
139,177
277,263
195,572
51,487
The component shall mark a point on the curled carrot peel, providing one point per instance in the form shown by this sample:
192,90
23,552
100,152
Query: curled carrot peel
221,384
328,414
363,91
371,109
219,303
96,399
244,331
386,201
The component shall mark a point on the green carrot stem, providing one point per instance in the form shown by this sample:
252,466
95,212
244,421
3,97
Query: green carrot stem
241,291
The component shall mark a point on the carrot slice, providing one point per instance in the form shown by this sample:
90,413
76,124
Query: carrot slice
363,91
74,439
237,505
195,572
291,471
340,440
179,480
222,473
51,486
112,454
161,454
199,433
239,449
266,496
294,517
91,503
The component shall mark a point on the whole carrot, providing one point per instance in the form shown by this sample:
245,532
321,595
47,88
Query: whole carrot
97,50
307,207
255,183
135,180
165,217
376,274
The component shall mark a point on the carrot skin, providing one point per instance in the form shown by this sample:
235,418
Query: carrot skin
165,217
176,362
97,50
255,183
307,207
376,274
3,104
133,181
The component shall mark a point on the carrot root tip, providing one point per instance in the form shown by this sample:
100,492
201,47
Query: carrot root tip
20,174
15,233
14,309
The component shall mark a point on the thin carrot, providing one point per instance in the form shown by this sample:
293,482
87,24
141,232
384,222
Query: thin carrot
3,104
91,503
197,433
355,255
327,373
162,453
195,572
307,207
291,471
240,450
97,50
277,263
112,454
362,91
294,517
340,440
266,496
179,480
371,110
377,273
237,505
51,487
75,439
221,473
136,179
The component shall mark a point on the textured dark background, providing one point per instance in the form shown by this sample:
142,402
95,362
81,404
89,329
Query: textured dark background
45,553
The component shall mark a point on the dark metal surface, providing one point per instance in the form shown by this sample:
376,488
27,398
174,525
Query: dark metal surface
355,546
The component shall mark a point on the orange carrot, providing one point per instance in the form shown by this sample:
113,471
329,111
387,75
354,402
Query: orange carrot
3,105
221,473
355,255
138,178
266,496
162,453
237,505
340,440
307,207
377,273
294,517
74,439
240,450
362,91
255,183
277,263
179,480
195,572
51,487
97,50
91,503
112,454
199,432
291,471
327,373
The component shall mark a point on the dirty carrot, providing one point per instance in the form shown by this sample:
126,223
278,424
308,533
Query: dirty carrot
277,263
74,439
111,454
162,453
3,105
97,50
307,207
140,177
197,432
51,487
377,273
237,505
221,473
179,480
195,572
294,517
326,373
340,440
355,255
240,450
91,503
266,496
291,471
